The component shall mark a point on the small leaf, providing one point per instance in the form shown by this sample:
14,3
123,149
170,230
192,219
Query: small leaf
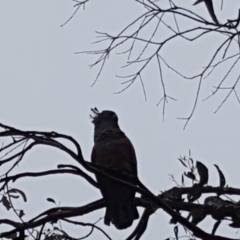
190,175
13,196
51,200
182,179
60,166
195,193
222,181
203,173
6,203
215,227
15,190
183,163
191,160
21,213
176,231
185,229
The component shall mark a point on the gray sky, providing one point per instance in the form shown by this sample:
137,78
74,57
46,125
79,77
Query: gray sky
45,86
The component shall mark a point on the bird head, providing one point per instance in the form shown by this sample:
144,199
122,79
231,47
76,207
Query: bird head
104,120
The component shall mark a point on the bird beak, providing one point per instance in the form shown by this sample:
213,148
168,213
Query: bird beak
95,112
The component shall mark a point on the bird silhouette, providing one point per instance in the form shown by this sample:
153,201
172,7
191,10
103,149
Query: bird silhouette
114,152
209,5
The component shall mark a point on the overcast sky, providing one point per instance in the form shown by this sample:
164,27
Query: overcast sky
45,86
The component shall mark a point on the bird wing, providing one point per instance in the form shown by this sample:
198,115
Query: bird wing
117,157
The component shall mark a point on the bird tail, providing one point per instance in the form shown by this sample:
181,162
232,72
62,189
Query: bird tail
121,215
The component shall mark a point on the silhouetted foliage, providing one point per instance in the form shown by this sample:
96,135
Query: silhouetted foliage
145,44
187,205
